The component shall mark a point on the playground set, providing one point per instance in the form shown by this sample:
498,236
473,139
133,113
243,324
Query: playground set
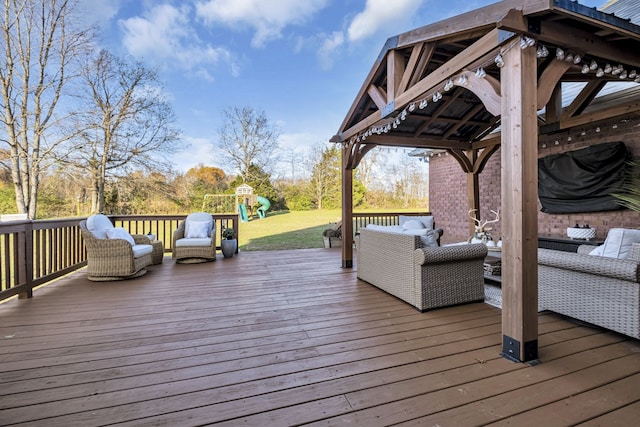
243,203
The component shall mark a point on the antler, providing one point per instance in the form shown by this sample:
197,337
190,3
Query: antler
476,220
480,225
497,214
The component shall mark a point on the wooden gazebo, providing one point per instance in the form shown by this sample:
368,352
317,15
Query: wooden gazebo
488,79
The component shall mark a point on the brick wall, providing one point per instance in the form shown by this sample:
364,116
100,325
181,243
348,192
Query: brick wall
448,184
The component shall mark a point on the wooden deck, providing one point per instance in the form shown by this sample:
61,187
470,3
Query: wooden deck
289,338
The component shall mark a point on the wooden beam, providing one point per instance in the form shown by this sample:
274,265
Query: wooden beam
395,70
583,99
484,157
410,69
583,41
378,96
519,194
394,139
486,88
586,118
421,66
553,109
463,160
549,79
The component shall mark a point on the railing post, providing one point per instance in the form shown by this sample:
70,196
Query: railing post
25,252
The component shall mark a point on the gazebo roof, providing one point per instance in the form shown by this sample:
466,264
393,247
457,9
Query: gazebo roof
415,66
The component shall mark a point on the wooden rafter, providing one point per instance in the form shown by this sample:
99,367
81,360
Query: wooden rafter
583,99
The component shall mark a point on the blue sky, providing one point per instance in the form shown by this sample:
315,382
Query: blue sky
302,62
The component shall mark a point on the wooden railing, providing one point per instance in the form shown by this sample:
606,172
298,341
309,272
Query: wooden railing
387,218
33,253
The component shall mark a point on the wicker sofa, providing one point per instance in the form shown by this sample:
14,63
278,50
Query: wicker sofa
426,278
599,290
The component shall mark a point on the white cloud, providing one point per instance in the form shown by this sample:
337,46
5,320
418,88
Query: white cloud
326,53
166,36
196,151
267,18
382,15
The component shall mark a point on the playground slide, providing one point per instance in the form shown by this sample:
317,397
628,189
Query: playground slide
264,206
242,210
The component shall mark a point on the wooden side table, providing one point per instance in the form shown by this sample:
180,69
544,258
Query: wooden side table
158,252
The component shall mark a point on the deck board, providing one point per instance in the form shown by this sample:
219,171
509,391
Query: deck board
290,338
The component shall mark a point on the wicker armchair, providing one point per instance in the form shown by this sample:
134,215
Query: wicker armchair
113,258
194,240
426,278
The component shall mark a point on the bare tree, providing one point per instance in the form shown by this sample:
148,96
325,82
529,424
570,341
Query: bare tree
38,47
126,123
247,138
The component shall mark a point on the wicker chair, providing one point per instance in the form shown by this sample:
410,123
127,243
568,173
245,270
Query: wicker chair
113,258
194,240
426,278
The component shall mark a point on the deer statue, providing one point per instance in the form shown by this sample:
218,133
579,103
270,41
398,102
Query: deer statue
481,234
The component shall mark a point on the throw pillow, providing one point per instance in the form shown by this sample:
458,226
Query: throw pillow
197,230
427,220
430,239
618,242
119,233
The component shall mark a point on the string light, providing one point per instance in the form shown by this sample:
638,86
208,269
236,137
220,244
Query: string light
480,72
559,54
423,104
594,65
607,68
542,51
600,72
499,61
412,107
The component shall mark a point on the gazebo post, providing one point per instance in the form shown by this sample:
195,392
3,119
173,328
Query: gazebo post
519,151
347,208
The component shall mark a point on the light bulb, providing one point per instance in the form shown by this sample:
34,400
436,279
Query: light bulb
607,68
423,104
499,61
480,72
542,51
600,72
585,69
560,54
412,107
594,65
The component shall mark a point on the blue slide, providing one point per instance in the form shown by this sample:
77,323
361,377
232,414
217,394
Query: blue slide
264,206
242,210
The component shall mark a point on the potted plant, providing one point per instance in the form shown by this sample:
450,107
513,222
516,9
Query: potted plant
229,244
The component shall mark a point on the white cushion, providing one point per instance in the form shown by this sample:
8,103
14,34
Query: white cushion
119,233
597,251
140,250
413,224
415,231
197,229
427,220
193,242
618,242
98,225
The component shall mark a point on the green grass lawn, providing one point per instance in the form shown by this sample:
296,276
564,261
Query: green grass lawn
291,229
287,230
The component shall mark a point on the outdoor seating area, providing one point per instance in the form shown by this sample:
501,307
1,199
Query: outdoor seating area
294,339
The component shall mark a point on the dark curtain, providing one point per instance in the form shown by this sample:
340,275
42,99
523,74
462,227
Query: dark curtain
582,180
